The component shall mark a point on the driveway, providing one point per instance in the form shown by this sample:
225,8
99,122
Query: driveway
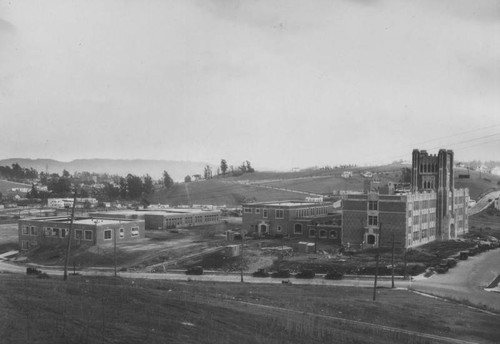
467,281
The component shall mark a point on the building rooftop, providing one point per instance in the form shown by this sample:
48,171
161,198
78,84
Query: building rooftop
287,204
80,220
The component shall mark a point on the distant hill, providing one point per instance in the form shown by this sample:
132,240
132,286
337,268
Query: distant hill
176,169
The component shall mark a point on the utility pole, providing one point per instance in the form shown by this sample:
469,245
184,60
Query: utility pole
392,258
241,255
114,248
376,262
405,262
68,248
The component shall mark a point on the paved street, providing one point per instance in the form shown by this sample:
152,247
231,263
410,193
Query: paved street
483,203
466,281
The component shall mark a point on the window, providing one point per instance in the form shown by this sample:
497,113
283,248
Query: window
107,234
257,211
264,213
297,229
78,234
33,231
55,232
278,229
370,239
88,235
312,233
122,232
372,205
373,220
247,210
63,232
48,231
280,214
26,230
135,231
333,234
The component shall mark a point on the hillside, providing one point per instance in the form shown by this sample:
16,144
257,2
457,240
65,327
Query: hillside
116,310
176,169
7,186
265,186
478,183
219,192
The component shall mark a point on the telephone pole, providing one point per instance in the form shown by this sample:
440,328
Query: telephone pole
68,248
241,255
392,258
376,261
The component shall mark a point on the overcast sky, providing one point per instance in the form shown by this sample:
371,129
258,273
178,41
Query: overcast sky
280,83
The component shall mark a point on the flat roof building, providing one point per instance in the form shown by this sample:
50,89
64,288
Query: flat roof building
167,218
292,218
85,231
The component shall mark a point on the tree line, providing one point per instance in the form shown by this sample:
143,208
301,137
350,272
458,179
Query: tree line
103,187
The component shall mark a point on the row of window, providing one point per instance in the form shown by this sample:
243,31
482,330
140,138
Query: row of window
424,233
280,213
177,221
322,233
428,167
311,211
79,233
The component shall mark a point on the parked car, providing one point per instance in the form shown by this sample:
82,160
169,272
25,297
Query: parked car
334,275
305,274
473,251
32,271
260,273
442,267
464,255
195,270
451,262
283,273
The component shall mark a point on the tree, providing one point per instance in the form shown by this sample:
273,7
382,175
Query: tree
33,193
148,184
66,174
111,192
123,188
405,175
207,172
187,179
167,180
134,186
250,169
223,166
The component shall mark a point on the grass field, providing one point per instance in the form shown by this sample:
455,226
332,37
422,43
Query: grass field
232,191
7,186
218,193
112,310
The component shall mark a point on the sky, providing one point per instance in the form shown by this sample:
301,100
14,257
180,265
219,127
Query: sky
282,84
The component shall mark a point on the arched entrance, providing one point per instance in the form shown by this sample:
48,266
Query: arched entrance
263,229
452,231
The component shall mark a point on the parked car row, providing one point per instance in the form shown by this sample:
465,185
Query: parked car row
304,274
481,246
282,273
